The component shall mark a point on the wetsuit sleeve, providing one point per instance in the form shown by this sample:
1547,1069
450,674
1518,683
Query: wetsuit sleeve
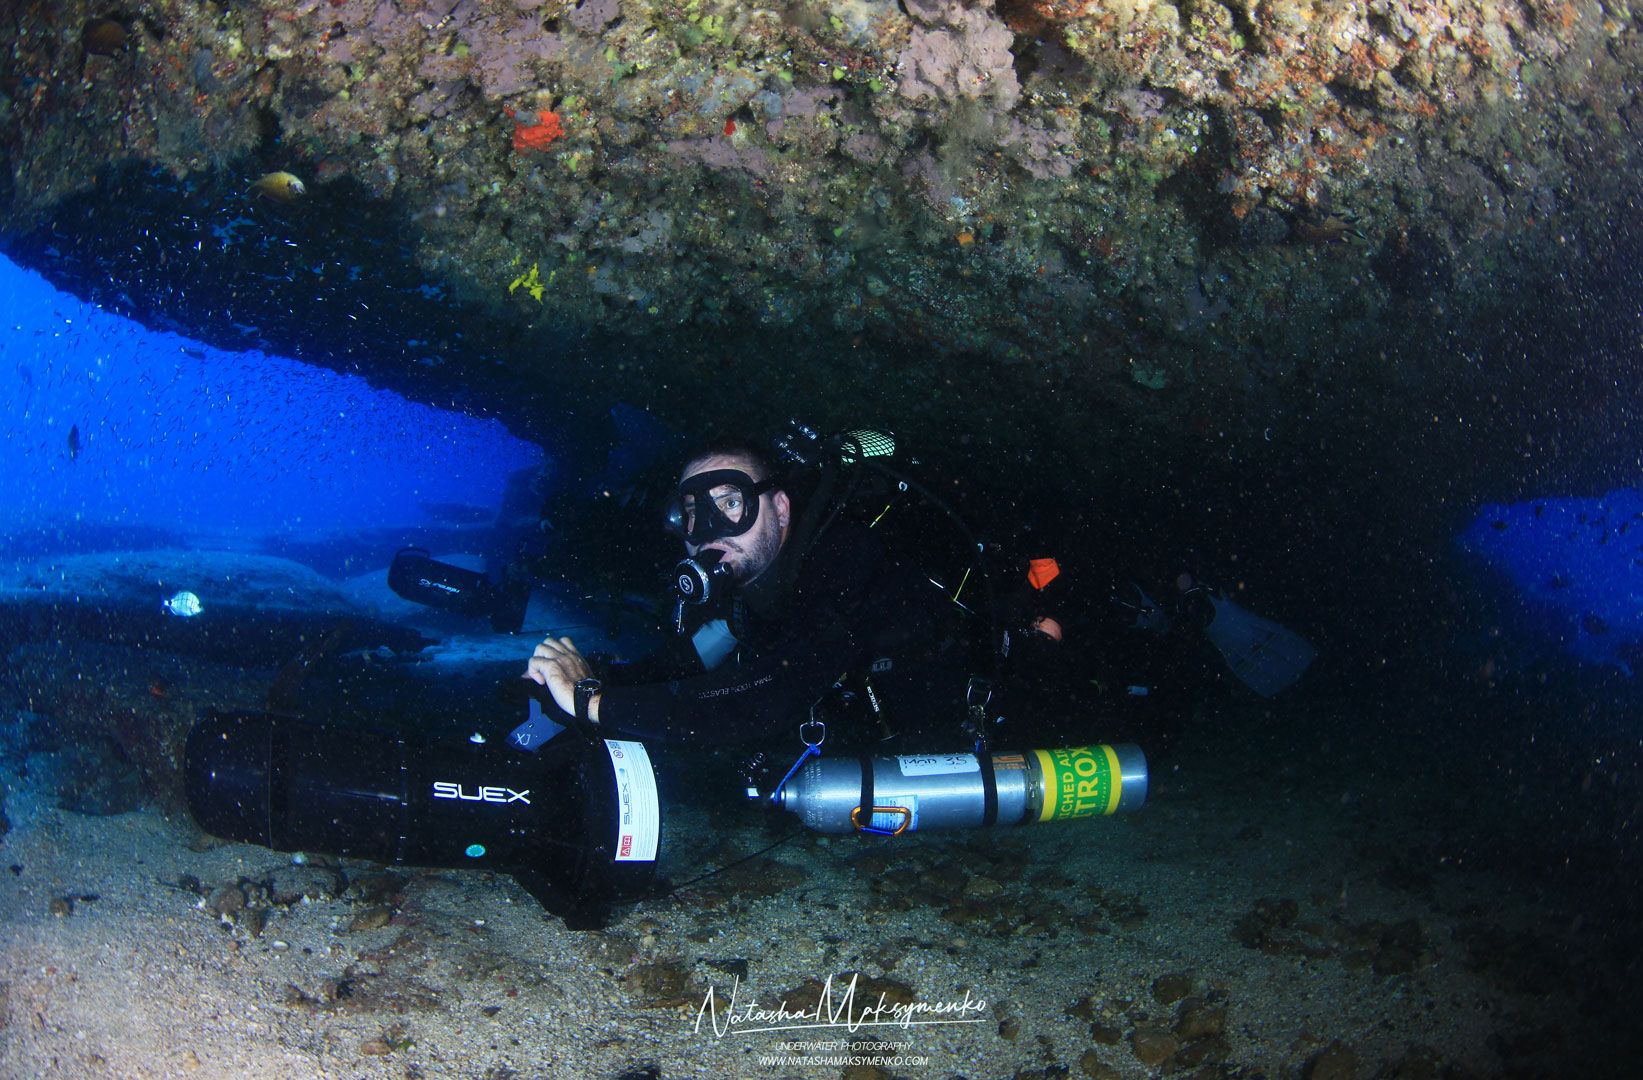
767,697
674,660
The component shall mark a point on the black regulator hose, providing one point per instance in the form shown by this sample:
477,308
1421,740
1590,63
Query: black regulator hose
995,613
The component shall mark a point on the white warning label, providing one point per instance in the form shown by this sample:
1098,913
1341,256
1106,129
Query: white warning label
639,816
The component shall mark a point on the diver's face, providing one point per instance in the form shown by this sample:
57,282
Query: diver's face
751,553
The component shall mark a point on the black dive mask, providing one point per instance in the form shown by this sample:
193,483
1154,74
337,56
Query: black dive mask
714,504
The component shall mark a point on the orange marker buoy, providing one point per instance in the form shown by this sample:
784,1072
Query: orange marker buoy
1040,572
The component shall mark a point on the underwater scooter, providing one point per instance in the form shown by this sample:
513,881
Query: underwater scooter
577,823
576,820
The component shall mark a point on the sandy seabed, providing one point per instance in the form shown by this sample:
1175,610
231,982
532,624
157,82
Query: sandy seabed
1285,905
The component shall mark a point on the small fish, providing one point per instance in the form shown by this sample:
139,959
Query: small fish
184,605
74,442
280,187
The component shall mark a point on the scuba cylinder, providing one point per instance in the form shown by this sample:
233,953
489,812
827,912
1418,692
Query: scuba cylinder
577,823
890,796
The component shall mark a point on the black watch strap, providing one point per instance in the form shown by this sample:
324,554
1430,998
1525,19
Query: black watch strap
585,689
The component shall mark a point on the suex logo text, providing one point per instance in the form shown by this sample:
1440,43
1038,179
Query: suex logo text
444,789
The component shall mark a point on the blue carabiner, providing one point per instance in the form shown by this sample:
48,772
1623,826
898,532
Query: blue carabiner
812,748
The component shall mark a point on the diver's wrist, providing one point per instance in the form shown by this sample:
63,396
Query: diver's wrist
587,700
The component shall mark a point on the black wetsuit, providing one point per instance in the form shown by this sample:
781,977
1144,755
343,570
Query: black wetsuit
851,605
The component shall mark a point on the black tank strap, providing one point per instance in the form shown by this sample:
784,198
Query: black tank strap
867,788
989,790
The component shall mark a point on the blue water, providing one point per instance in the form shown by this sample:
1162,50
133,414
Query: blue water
1572,569
111,425
115,429
117,435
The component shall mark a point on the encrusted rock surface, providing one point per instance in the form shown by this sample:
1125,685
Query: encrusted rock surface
1131,205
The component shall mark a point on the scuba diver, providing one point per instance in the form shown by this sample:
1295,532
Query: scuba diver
797,621
785,612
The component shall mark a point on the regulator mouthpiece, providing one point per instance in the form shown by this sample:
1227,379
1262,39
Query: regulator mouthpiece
694,582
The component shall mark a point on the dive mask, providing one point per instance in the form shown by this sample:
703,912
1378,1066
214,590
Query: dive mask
713,505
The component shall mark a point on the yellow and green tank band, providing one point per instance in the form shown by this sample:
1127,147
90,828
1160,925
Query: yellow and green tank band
1083,781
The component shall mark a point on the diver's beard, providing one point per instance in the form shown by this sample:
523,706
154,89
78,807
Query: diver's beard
755,560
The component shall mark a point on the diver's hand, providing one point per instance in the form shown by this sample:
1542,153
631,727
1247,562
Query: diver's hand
557,665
